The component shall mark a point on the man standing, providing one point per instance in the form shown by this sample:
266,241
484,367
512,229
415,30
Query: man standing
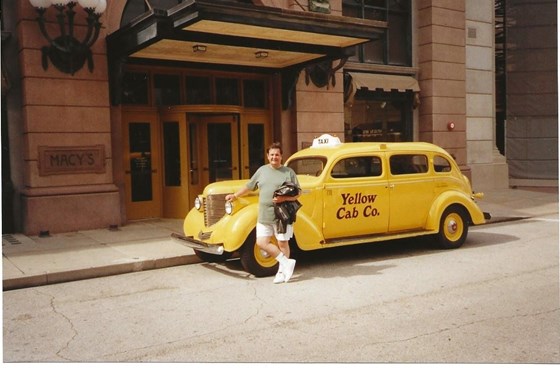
268,178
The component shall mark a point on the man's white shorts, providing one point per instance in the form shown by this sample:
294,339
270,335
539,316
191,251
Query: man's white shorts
269,230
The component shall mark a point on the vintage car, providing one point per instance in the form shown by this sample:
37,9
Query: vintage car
352,193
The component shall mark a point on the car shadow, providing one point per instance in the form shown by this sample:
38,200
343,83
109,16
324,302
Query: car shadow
478,238
232,267
356,259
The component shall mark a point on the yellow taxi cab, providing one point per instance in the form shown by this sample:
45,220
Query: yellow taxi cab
352,193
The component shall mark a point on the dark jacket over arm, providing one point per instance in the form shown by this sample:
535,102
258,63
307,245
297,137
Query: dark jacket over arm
286,211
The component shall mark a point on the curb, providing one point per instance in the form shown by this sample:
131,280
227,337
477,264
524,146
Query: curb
49,278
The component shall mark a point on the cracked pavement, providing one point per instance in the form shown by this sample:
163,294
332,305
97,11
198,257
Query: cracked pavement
495,300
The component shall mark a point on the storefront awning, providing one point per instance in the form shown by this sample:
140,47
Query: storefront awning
384,82
232,33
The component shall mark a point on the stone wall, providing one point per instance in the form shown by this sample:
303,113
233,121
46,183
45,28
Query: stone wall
442,76
488,167
532,92
70,116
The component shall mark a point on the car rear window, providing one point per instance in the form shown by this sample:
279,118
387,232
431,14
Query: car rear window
441,164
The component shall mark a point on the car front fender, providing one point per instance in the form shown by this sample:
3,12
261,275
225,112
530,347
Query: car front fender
231,231
234,229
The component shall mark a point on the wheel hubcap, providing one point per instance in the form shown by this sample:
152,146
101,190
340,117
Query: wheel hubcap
452,227
263,258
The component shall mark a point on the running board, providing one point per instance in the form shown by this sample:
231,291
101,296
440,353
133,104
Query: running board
335,242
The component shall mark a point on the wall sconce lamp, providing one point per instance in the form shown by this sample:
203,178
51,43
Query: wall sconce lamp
261,54
65,52
199,48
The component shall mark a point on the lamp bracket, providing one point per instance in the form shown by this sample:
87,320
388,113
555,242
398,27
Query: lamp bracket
65,51
321,73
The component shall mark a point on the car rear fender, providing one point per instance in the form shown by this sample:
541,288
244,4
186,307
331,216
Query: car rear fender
453,198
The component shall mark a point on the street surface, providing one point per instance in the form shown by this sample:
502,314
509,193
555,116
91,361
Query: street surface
495,300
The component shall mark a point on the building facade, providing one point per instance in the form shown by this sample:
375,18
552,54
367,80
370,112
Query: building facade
530,87
177,94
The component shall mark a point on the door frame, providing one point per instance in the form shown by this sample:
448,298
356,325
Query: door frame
142,209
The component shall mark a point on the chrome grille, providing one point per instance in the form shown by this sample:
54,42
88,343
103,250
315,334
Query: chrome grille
214,208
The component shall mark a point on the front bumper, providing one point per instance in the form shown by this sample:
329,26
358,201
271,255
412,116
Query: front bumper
191,242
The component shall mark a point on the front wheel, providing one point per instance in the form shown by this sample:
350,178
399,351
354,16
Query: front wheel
453,228
256,261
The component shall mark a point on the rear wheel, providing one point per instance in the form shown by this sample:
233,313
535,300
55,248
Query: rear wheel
453,227
256,261
212,258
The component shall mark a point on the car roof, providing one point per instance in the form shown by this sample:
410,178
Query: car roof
368,147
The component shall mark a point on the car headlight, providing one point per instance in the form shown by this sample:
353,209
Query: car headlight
229,207
198,203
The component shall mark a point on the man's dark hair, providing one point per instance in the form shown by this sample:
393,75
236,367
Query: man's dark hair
275,145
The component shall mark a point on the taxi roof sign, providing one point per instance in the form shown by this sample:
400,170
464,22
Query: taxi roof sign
326,140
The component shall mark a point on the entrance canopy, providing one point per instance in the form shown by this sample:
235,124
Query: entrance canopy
232,33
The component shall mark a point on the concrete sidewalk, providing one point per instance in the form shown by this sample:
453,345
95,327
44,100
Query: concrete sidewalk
137,246
144,245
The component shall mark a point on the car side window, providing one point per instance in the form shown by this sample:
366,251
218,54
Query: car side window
408,164
357,167
312,166
441,164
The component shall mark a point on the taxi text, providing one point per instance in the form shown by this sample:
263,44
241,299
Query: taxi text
349,199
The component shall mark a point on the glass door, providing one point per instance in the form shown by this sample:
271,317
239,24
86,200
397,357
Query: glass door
141,163
214,150
176,203
254,141
196,149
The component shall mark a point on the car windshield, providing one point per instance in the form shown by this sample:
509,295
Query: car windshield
308,165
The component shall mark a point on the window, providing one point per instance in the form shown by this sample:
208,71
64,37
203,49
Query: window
135,88
254,93
357,167
227,91
441,164
393,47
308,166
167,89
135,8
408,164
172,154
379,117
256,146
199,91
173,86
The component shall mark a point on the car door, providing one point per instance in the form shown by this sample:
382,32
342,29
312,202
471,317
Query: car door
412,191
356,198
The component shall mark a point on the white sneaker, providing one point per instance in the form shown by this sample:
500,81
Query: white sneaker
279,278
289,269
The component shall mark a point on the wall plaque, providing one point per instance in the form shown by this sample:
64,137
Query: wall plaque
71,160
